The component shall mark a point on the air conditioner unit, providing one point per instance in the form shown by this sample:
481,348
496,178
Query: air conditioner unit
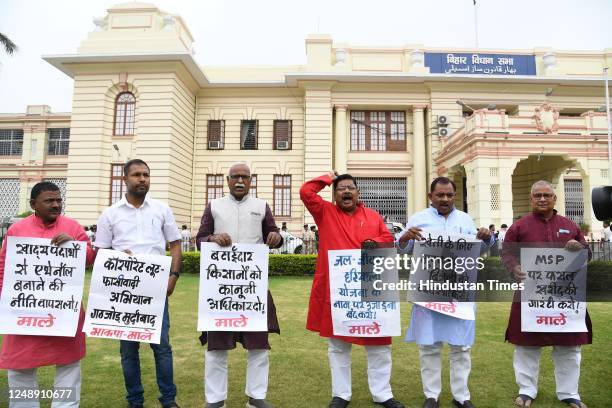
214,144
442,120
443,132
282,145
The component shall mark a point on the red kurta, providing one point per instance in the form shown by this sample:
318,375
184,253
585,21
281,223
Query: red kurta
337,230
555,233
22,352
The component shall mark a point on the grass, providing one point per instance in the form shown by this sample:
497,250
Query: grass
299,372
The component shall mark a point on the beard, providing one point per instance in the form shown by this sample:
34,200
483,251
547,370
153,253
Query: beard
139,193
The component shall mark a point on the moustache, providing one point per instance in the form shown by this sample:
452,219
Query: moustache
240,185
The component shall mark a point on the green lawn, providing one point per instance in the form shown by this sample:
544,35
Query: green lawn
299,373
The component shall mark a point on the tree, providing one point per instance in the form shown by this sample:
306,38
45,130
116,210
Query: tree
9,46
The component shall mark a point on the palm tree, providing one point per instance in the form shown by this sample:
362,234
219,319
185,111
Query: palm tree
9,46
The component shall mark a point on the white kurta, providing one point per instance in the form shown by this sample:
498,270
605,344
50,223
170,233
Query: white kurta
428,327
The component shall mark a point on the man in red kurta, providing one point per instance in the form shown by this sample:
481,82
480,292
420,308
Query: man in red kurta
22,355
345,225
542,226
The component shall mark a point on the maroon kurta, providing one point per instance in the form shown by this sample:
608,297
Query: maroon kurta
337,230
534,229
20,351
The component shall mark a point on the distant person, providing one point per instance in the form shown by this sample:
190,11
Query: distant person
606,233
308,241
286,238
89,233
315,231
494,250
185,239
501,235
93,229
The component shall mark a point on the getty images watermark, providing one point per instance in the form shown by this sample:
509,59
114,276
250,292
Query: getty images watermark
448,268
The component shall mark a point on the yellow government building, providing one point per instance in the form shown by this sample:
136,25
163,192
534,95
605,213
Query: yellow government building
492,120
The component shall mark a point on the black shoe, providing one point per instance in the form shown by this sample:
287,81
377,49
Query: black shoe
338,402
171,405
130,405
431,403
466,404
391,403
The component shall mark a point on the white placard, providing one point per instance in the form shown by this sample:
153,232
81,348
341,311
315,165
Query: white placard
352,315
233,288
42,287
127,296
445,273
555,290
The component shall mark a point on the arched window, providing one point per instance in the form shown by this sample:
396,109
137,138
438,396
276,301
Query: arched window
125,105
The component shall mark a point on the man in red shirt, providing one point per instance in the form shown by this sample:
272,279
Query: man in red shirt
345,225
544,225
21,355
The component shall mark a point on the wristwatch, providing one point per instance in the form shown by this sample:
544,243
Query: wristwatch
178,275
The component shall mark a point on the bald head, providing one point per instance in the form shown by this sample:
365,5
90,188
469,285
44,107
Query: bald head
239,180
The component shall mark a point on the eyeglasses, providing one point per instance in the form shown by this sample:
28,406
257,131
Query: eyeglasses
346,188
239,176
547,196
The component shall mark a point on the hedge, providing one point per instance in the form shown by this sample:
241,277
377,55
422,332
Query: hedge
599,272
286,265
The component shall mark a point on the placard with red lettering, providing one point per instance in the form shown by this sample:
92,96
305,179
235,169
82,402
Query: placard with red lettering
233,288
460,310
357,308
445,273
127,296
42,287
554,298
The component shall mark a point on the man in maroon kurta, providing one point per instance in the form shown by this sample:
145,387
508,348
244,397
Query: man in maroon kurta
544,227
345,225
21,354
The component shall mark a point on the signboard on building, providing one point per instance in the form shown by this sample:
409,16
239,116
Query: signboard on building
480,64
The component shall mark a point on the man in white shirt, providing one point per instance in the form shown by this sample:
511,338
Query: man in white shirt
137,224
185,239
606,233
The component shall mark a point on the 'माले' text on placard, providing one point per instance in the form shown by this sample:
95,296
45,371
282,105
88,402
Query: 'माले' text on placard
359,310
42,287
127,296
233,287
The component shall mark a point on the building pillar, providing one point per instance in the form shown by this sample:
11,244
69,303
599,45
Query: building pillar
419,163
478,192
560,193
340,140
506,211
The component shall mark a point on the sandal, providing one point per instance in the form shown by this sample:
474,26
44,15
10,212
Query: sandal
574,403
524,400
